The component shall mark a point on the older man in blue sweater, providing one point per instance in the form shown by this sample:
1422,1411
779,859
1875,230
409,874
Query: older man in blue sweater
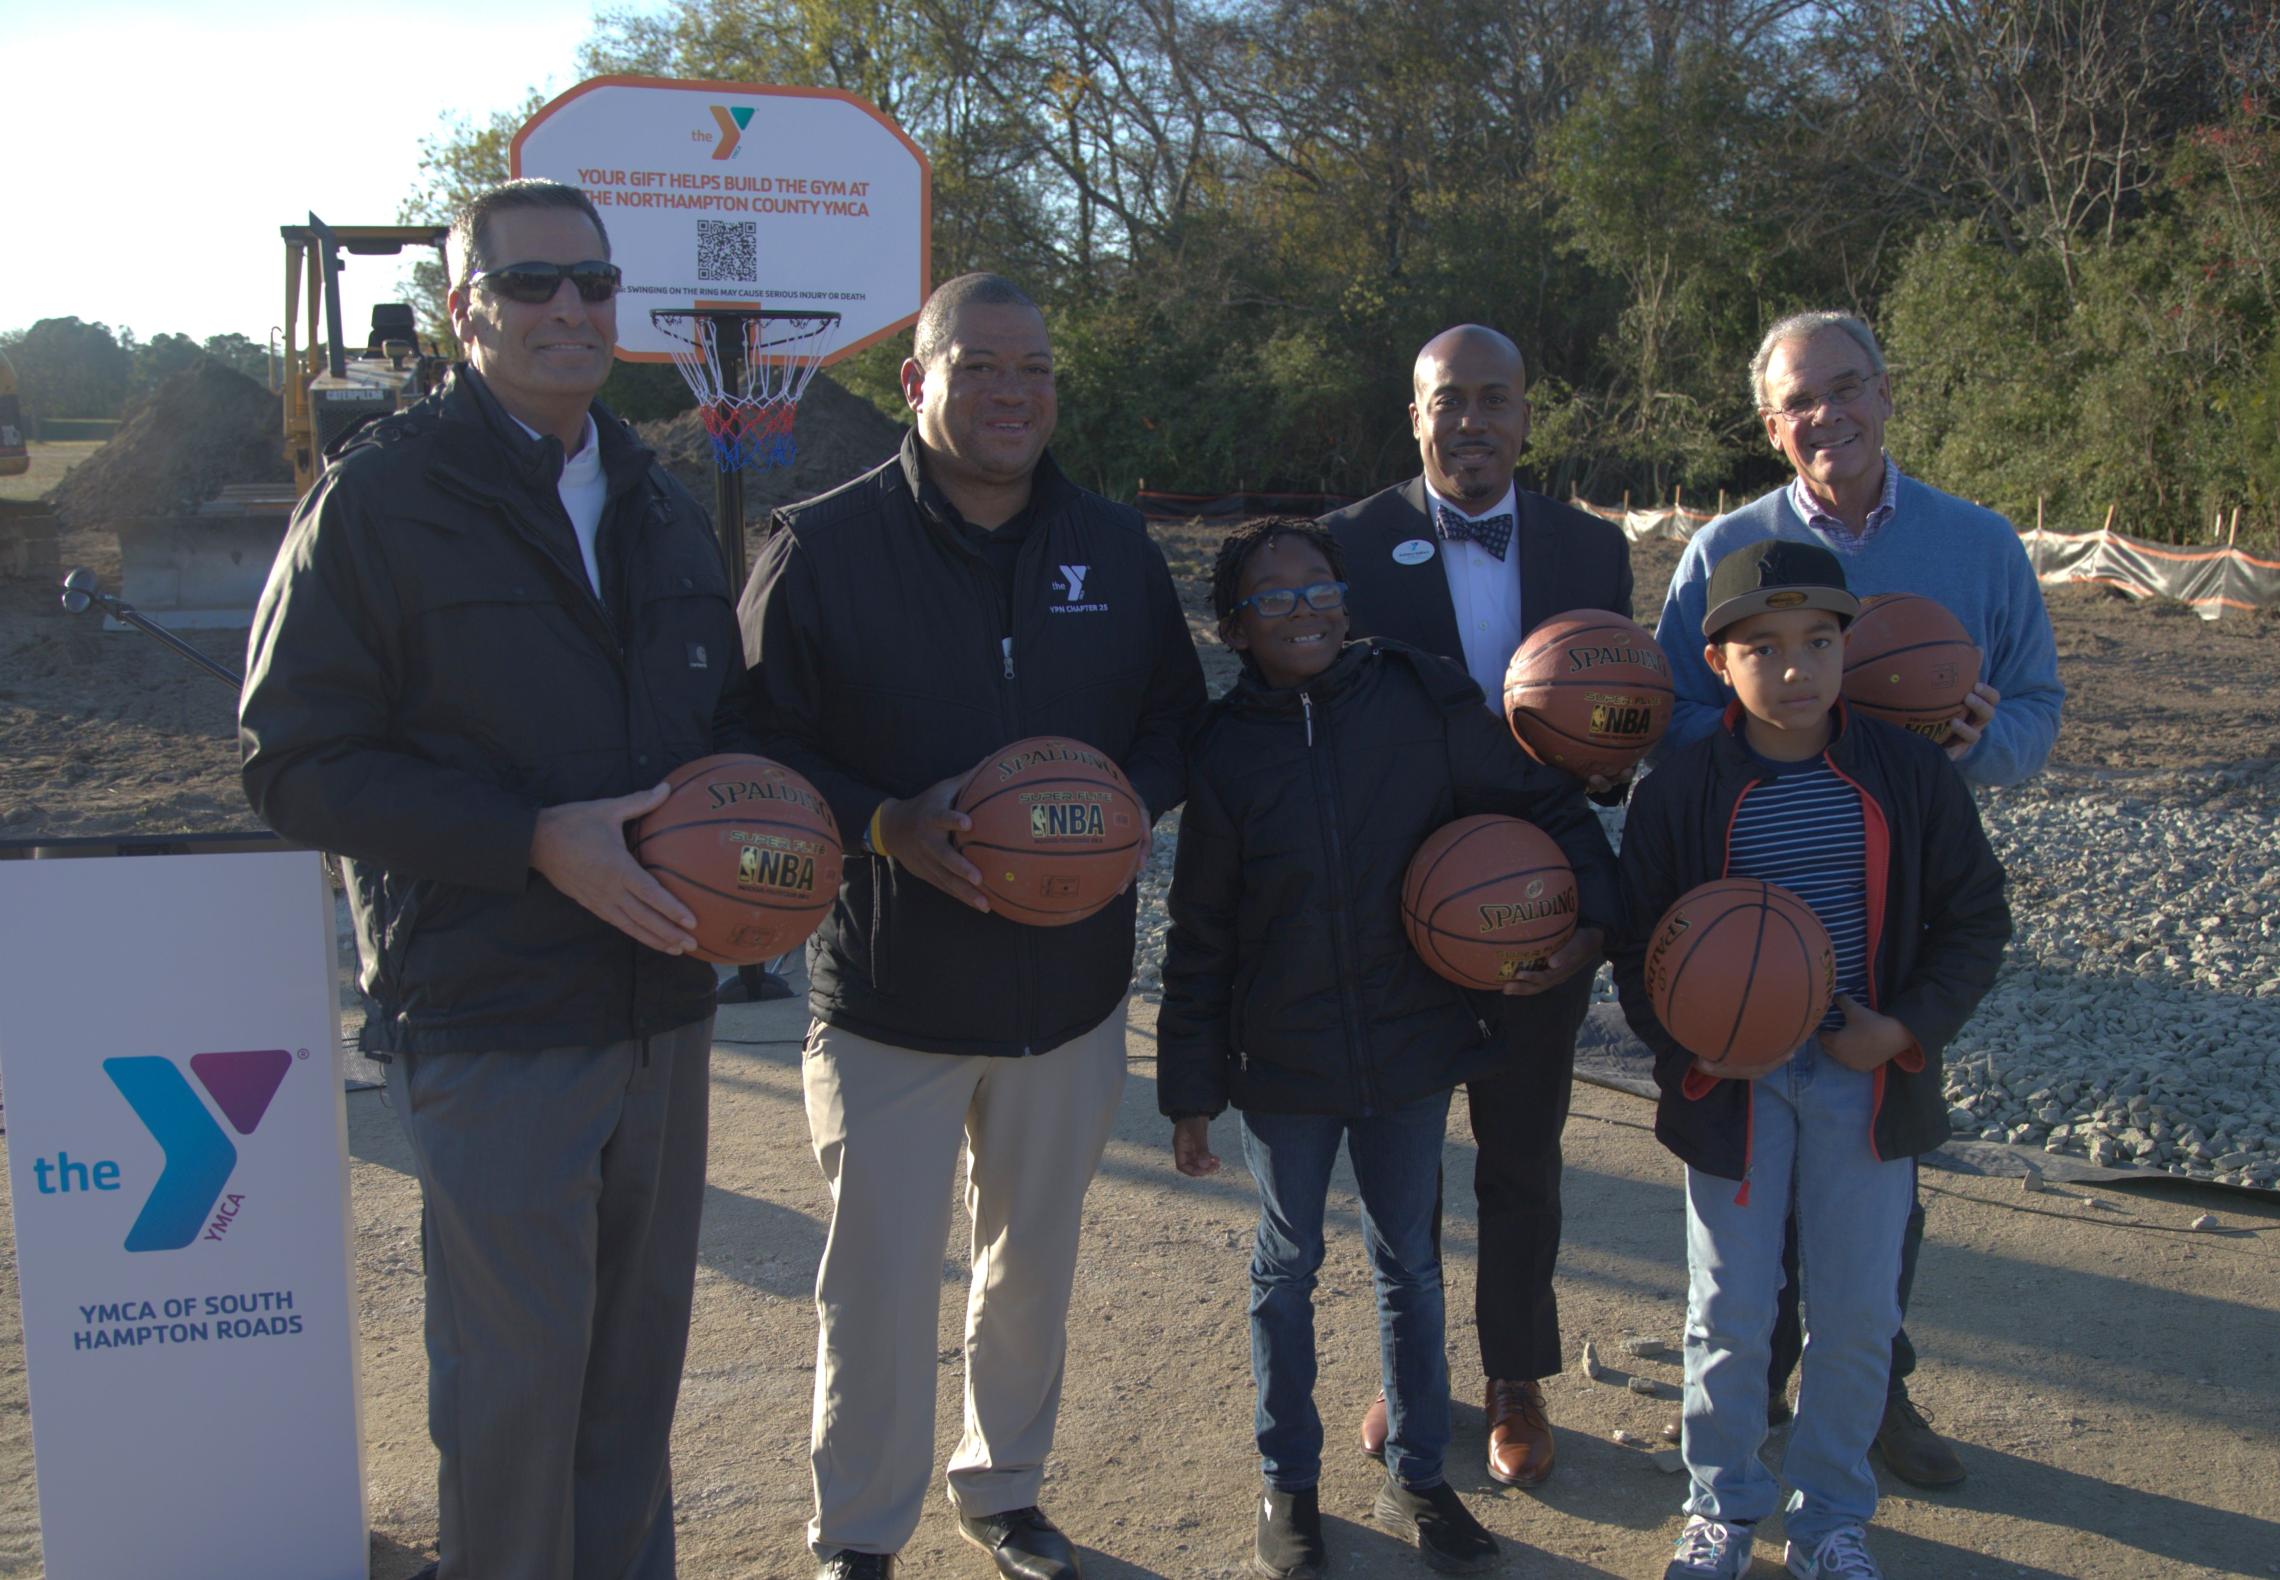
1820,384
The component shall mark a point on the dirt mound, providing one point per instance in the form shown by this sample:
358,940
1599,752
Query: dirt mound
839,436
203,428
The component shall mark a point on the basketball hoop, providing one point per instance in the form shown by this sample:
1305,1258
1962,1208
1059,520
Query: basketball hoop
748,368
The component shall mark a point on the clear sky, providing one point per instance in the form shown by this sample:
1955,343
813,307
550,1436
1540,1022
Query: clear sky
148,152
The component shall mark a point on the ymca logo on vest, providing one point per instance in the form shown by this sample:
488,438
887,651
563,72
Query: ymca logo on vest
1070,584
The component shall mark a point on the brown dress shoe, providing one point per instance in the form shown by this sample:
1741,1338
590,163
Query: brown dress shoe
1519,1434
1373,1427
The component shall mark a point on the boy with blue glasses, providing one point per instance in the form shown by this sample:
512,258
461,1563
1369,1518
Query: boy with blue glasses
1291,992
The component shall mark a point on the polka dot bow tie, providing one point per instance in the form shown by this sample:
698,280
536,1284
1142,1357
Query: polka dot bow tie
1493,533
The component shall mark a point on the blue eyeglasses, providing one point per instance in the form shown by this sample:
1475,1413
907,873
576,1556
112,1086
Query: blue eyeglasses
1281,601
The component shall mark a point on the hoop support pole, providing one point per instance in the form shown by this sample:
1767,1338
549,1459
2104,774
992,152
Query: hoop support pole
728,481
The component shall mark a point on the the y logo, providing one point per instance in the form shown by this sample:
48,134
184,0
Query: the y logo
1075,575
199,1157
731,122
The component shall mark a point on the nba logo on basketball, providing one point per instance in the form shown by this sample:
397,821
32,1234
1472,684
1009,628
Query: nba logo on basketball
1622,717
1066,820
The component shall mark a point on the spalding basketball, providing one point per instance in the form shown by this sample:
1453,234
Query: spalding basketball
1057,830
1909,661
1740,973
750,848
1588,691
1485,897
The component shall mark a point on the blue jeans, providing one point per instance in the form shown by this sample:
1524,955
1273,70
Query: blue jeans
1810,1153
1397,1167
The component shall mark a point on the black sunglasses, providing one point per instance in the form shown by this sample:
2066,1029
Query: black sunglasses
536,283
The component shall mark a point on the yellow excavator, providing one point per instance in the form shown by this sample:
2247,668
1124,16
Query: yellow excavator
330,386
206,568
15,456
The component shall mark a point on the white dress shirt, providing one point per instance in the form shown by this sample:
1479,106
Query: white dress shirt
1485,593
584,491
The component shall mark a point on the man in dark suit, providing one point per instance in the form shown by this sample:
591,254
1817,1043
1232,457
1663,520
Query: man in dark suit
1462,562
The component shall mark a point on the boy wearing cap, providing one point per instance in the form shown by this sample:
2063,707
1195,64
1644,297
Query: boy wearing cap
1872,828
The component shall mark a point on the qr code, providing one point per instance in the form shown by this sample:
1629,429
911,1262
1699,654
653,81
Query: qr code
728,249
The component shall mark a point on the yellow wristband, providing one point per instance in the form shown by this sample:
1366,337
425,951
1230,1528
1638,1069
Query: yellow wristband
873,838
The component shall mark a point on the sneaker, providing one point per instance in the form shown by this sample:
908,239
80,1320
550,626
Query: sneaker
1290,1545
1710,1550
1842,1555
1437,1521
1911,1449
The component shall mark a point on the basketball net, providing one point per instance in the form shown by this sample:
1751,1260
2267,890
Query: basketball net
749,416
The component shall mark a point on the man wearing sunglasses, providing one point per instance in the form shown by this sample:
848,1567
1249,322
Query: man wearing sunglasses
495,626
1824,396
958,598
1463,562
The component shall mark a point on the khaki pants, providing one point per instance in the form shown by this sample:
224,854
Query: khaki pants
888,1124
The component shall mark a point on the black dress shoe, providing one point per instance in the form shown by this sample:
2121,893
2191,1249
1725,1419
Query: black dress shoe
1023,1544
846,1565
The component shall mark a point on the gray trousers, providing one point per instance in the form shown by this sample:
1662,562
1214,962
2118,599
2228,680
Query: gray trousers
560,1195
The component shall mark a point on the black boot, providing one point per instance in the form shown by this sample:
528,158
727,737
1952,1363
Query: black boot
1437,1521
1290,1543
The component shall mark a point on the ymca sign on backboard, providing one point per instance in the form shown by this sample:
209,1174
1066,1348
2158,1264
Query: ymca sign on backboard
738,195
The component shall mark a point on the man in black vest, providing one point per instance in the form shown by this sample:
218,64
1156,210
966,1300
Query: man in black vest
901,628
1463,563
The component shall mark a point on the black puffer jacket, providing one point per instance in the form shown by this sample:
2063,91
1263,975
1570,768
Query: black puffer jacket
1937,921
430,667
1289,985
887,660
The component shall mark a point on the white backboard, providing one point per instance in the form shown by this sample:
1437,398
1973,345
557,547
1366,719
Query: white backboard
731,194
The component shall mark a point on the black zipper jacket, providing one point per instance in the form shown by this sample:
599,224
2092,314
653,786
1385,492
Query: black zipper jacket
885,659
1289,985
1937,921
429,667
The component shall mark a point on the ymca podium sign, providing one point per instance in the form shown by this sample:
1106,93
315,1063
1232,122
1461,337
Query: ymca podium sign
178,1168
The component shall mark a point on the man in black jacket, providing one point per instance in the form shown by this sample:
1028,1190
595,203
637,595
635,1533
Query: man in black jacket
960,597
495,626
1462,562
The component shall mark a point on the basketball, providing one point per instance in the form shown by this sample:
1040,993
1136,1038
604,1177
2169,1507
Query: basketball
1485,897
1057,830
1909,661
750,848
1588,692
1740,973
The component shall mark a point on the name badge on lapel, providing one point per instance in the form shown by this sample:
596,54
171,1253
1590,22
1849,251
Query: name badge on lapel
1414,552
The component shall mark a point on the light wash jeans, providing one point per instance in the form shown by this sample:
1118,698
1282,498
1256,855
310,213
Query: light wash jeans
1810,1147
1397,1173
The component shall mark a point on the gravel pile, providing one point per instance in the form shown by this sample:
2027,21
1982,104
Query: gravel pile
2137,1018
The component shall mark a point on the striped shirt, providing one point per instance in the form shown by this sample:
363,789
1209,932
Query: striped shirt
1834,532
1802,830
